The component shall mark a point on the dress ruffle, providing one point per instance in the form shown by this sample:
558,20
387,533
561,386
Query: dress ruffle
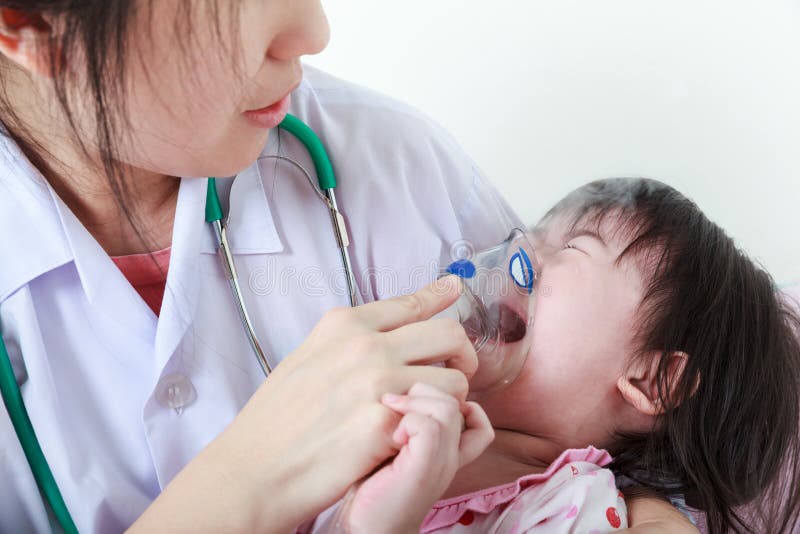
447,512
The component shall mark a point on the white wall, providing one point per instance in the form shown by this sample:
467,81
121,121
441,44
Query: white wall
549,94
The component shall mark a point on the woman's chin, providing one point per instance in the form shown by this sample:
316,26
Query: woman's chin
235,159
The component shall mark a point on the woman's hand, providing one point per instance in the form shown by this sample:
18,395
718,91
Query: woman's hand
437,435
317,424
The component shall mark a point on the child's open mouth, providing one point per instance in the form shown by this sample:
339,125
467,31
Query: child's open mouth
511,326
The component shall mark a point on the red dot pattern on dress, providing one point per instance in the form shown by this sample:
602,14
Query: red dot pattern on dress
467,518
613,517
572,512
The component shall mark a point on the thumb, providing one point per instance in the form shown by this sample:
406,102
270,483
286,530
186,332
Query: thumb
386,315
478,435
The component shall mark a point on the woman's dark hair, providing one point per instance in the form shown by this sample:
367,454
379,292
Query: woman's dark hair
98,31
729,438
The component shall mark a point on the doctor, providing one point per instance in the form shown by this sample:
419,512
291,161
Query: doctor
139,381
156,410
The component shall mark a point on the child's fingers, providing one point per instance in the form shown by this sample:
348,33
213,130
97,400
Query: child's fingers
448,405
425,433
445,410
478,435
407,427
421,389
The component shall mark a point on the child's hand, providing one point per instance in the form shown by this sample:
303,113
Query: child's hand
436,437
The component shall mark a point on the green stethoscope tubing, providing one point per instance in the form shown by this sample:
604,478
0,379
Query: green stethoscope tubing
12,396
322,164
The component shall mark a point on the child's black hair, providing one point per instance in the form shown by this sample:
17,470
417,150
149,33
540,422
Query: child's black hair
729,438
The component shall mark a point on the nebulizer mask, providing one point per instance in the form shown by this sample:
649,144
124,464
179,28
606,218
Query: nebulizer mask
496,308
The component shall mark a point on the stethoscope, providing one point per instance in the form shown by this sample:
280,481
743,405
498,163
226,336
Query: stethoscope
327,183
12,397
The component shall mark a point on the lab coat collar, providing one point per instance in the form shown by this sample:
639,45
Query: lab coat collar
251,231
251,228
42,233
31,237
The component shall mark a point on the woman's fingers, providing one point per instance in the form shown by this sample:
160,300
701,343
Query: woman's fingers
422,389
449,381
385,315
478,434
349,360
433,341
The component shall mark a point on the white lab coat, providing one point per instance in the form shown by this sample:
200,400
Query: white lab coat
93,360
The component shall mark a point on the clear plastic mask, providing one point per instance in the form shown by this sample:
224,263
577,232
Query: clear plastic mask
496,308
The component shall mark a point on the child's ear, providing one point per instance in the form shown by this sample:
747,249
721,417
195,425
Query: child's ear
23,39
639,385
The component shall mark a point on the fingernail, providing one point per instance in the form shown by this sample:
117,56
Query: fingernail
443,283
447,283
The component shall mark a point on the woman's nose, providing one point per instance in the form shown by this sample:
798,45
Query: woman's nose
305,32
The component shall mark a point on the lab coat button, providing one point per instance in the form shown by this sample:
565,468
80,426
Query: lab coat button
175,391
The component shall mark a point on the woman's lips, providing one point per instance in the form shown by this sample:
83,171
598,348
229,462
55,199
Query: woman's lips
272,115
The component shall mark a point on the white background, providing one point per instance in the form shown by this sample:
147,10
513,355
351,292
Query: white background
549,94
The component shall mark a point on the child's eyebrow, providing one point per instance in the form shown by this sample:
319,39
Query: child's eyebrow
581,232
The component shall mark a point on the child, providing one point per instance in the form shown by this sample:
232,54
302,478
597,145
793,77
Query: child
655,339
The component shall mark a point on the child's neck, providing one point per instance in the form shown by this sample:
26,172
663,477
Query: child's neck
510,456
